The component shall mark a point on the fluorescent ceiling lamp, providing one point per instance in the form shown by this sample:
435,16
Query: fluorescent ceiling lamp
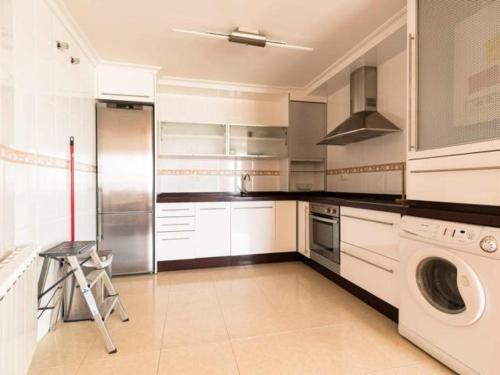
244,37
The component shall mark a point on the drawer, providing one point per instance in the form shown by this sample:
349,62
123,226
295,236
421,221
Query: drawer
175,224
175,245
174,209
375,273
372,230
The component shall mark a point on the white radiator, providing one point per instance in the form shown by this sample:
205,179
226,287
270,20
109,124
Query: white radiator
18,310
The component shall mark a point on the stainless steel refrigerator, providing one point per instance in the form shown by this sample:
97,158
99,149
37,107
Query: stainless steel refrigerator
125,173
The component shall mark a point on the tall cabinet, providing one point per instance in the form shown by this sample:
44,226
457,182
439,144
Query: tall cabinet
453,92
306,163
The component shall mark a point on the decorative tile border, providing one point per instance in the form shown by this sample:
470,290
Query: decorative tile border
23,157
368,169
216,172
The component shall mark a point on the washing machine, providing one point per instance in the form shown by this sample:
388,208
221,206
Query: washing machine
450,292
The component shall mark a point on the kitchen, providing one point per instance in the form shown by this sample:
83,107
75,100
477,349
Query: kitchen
264,188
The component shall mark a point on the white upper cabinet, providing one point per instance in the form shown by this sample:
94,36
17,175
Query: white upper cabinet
126,83
253,228
286,226
206,109
453,111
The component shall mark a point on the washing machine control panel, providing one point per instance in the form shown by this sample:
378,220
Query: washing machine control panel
448,232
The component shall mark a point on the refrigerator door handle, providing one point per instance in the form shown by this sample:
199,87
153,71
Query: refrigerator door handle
100,235
99,200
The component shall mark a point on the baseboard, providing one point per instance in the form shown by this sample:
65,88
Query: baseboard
226,261
378,304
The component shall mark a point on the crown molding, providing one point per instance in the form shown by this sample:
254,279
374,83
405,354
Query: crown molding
393,24
64,15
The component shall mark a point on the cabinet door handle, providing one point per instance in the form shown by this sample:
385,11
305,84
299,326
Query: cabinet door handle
174,224
251,208
174,209
411,125
212,208
118,94
370,220
368,262
176,239
456,169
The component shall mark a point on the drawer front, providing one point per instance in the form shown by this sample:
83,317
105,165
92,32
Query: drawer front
175,245
175,224
375,273
174,209
372,230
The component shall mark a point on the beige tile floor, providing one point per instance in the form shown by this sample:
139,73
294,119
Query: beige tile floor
266,319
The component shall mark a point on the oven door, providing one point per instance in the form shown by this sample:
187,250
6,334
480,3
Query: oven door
324,237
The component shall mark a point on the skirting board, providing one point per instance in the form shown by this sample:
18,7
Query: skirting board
240,260
226,261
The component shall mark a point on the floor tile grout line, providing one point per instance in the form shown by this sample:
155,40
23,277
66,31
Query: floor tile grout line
227,332
163,330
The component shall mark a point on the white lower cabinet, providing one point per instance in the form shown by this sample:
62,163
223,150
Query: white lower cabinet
373,272
175,245
303,228
286,226
175,231
369,251
213,229
253,229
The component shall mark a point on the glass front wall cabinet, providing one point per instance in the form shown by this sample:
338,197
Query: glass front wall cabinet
456,73
258,141
192,139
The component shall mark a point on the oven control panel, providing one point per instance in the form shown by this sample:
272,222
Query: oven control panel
324,209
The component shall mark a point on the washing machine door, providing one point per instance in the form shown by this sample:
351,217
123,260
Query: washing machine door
445,286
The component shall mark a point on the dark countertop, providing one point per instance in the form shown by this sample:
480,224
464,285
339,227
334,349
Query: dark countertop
379,202
461,213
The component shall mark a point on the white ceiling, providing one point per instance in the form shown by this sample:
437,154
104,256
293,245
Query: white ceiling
140,32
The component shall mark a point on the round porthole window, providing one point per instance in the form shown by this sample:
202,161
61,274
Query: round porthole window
438,282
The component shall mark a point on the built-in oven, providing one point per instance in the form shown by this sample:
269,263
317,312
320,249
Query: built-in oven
324,235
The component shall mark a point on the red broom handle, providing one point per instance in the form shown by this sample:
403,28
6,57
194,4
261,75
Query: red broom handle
72,185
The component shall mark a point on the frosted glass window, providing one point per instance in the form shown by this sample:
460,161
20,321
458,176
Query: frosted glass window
458,72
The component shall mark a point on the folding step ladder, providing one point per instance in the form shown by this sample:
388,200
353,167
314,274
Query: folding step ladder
72,255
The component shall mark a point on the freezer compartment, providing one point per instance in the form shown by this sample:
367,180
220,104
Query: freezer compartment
130,237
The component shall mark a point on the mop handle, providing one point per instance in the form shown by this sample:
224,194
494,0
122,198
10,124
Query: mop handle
72,185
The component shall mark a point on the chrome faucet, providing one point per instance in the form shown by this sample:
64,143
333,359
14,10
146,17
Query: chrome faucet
243,188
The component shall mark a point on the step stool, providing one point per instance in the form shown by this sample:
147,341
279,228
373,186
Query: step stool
72,256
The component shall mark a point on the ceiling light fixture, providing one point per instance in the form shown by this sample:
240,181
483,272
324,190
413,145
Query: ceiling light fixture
243,36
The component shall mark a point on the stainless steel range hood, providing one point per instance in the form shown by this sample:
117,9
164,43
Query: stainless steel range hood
365,122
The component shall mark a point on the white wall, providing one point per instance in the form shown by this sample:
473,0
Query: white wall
44,100
378,151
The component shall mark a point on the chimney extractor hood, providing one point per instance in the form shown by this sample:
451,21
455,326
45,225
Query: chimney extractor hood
365,122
